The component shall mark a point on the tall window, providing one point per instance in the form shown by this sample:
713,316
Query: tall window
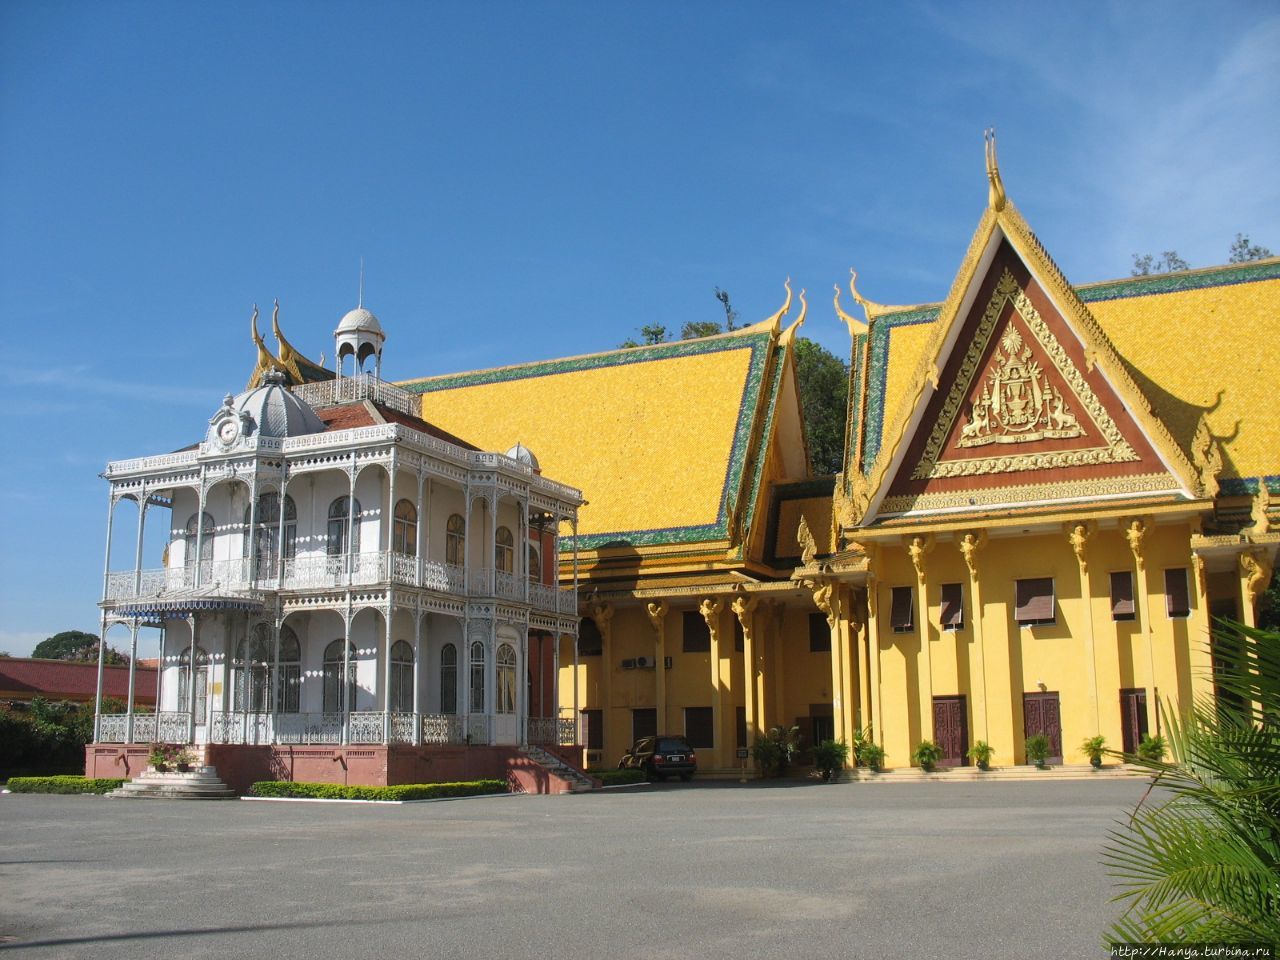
200,682
251,670
535,565
477,677
1122,607
902,610
819,633
1033,601
506,680
400,696
455,540
1177,596
194,533
338,696
404,534
264,538
590,642
449,679
342,511
951,614
697,635
503,551
289,687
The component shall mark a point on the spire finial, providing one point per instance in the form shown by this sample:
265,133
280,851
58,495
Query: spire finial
360,303
995,194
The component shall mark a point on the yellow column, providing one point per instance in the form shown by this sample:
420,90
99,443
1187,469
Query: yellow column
780,667
826,596
763,620
1200,654
873,658
744,609
710,610
1078,537
848,656
1255,574
602,614
918,549
859,642
970,544
658,617
1135,533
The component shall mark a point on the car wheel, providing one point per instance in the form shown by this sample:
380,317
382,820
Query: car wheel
686,777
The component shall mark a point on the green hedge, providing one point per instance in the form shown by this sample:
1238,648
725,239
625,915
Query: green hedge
405,791
613,778
63,784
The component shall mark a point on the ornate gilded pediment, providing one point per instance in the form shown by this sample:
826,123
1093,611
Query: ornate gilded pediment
1013,404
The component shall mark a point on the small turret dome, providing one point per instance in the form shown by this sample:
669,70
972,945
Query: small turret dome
276,410
522,454
359,320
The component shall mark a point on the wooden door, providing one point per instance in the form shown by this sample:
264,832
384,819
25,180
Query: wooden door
951,730
1133,717
1041,714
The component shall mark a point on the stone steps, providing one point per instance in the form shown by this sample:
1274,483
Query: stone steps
578,781
203,783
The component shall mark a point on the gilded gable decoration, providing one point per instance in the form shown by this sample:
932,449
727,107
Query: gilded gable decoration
1258,510
1255,567
970,545
1018,402
1206,455
808,546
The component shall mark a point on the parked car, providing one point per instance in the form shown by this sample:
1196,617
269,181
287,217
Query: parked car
661,757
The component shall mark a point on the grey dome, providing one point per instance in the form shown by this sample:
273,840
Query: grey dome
276,410
522,454
359,320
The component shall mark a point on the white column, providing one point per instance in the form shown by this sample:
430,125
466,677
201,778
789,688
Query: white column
137,559
386,674
417,668
346,694
97,702
198,561
192,621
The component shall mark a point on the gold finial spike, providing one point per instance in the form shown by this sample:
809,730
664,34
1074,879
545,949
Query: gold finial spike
786,306
804,309
996,198
253,326
275,321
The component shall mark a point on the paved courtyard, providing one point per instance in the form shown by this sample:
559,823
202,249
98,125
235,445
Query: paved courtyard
987,870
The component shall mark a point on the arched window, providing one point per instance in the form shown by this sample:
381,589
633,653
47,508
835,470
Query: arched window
404,533
338,519
192,534
200,682
477,678
400,696
339,696
503,550
266,535
535,565
289,687
506,680
455,540
251,671
449,679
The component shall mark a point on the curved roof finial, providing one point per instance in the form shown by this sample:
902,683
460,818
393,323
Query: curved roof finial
786,306
253,327
996,198
804,310
275,321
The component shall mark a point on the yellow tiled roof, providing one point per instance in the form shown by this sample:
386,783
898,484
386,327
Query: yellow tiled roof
1200,341
655,437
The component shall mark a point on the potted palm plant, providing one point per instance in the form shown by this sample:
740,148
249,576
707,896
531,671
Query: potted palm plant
1038,750
927,754
1092,748
980,753
829,757
872,755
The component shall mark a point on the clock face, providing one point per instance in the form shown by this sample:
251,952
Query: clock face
228,432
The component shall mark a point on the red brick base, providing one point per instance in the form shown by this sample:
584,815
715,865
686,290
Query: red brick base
240,766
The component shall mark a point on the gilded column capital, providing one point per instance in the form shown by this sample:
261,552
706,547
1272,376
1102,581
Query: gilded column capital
1134,533
602,613
1255,568
710,609
744,607
919,548
970,545
657,614
825,598
1202,580
1078,535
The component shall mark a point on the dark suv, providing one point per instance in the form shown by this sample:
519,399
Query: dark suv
660,757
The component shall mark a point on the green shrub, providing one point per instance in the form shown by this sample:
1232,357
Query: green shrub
44,736
829,757
1152,748
872,754
1092,748
980,753
1038,749
927,754
775,751
614,778
63,784
404,791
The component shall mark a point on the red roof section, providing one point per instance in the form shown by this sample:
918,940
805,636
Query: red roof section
366,413
22,678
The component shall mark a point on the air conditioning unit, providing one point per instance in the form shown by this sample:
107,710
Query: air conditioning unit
666,663
629,664
594,756
643,662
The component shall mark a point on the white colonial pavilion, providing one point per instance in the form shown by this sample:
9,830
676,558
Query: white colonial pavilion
340,572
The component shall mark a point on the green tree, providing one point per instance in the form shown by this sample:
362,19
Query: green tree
1200,860
824,394
1169,261
1242,251
699,328
75,645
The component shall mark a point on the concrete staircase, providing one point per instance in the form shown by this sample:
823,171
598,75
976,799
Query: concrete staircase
202,783
578,781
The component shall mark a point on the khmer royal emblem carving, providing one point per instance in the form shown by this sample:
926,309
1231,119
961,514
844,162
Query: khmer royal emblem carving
1018,403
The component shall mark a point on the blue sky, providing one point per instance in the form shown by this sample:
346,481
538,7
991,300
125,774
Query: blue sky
537,180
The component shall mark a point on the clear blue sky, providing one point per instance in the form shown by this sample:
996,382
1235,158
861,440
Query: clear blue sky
537,180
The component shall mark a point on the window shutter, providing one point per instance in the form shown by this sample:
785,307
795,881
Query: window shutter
900,617
952,613
1122,595
1177,599
1034,600
819,634
697,635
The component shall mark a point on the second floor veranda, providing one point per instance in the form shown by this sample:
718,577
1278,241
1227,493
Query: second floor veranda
336,571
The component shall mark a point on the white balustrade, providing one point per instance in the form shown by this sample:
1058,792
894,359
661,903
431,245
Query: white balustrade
567,732
365,726
172,727
541,730
477,728
404,568
402,727
507,586
442,728
480,582
113,728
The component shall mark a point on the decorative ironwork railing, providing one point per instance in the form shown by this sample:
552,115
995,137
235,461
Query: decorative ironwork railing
165,727
309,728
442,728
508,586
402,727
477,728
363,386
365,726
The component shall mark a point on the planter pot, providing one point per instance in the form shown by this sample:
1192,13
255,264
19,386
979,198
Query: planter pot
1095,762
160,767
184,768
1041,765
984,766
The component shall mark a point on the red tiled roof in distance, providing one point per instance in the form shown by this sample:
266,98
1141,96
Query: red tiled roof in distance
365,413
22,678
